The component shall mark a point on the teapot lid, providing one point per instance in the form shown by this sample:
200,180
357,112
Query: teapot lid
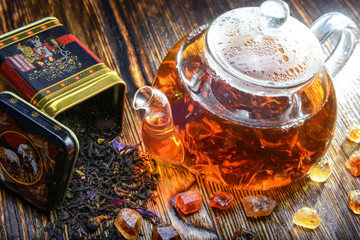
264,46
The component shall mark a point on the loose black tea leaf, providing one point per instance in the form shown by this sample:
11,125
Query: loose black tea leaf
107,177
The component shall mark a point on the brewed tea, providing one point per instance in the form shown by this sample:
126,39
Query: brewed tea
285,135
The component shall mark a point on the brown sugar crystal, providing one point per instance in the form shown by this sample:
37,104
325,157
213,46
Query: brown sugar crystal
188,202
354,133
221,200
307,217
320,171
258,205
353,164
354,201
128,222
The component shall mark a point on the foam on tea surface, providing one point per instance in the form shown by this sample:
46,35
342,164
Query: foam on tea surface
243,43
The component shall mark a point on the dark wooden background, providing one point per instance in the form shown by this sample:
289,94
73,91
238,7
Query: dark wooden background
132,37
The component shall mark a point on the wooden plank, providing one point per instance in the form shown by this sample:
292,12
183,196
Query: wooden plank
132,37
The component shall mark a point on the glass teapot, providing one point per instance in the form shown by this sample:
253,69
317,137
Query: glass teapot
247,100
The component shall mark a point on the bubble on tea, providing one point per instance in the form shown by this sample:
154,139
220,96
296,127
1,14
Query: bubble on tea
255,58
274,57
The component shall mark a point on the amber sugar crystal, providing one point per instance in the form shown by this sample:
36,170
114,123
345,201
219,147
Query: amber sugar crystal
320,171
353,164
258,205
221,200
307,217
128,222
354,133
188,202
354,201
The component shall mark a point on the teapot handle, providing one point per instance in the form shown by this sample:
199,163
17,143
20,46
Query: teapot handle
338,36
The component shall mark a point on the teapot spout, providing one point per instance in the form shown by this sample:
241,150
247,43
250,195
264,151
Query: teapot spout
158,131
156,106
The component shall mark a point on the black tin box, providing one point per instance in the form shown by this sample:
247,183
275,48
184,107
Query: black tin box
37,153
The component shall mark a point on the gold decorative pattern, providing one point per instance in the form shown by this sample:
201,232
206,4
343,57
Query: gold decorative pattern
4,42
14,100
57,128
35,114
66,82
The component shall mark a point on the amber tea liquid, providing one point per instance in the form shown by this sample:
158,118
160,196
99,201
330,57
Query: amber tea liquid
162,140
246,156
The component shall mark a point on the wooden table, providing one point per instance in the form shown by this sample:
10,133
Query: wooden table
132,37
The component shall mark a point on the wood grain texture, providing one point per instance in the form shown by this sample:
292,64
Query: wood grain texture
132,37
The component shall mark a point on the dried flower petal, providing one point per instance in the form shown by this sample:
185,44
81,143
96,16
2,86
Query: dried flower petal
80,172
148,214
118,145
83,232
102,217
91,193
116,202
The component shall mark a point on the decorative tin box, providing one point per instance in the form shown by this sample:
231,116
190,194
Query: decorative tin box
52,70
37,152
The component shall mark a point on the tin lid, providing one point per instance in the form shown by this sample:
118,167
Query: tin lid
37,153
53,70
